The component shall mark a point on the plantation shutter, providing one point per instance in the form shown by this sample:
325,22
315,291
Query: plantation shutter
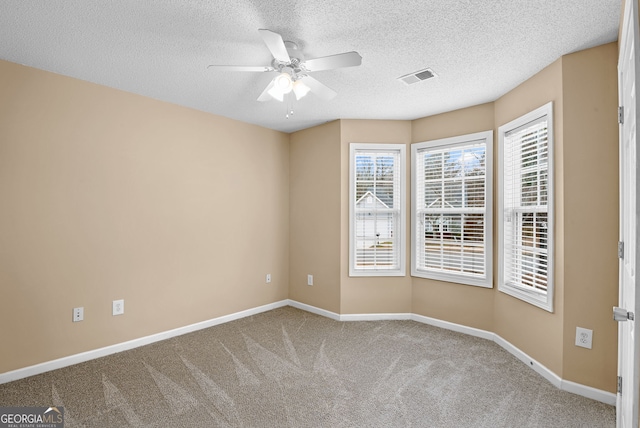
526,206
450,230
376,206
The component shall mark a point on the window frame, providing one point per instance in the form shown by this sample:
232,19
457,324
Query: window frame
354,149
539,299
486,280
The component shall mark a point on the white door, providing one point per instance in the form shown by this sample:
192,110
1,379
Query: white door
628,342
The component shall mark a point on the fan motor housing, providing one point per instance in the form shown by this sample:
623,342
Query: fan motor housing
295,56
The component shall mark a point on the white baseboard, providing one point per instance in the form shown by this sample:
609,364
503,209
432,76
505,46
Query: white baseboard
347,317
452,326
314,310
575,388
124,346
589,392
374,317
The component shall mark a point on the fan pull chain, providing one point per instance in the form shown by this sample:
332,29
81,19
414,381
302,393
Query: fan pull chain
288,106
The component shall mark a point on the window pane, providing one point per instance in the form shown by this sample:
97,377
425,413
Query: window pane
474,192
529,191
385,167
384,192
453,243
433,166
452,194
474,161
375,240
452,163
432,195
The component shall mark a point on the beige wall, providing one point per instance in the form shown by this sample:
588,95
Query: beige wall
533,330
371,294
457,303
315,216
583,87
591,213
108,195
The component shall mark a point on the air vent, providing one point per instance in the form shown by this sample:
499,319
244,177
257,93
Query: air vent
417,76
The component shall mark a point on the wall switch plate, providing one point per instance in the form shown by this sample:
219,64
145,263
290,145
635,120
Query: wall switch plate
78,314
584,337
118,307
309,279
268,278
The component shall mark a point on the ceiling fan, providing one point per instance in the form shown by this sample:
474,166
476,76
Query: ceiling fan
293,70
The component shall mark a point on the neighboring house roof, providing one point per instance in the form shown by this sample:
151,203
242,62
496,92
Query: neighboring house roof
364,201
438,200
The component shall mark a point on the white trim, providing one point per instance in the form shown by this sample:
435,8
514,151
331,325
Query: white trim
484,334
565,385
131,344
314,310
375,317
589,392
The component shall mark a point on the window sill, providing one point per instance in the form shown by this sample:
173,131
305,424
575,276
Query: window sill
540,300
374,273
458,279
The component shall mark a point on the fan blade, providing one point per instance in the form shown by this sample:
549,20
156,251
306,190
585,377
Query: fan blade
257,68
265,96
320,89
276,45
347,59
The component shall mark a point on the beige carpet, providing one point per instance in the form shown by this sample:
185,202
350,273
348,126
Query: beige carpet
289,368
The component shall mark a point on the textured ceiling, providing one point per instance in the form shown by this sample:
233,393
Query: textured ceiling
480,49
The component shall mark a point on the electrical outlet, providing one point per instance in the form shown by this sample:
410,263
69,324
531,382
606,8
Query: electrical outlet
268,278
118,307
584,337
309,279
78,314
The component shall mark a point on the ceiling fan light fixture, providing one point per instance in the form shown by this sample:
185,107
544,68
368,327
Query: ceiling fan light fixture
284,82
276,93
300,89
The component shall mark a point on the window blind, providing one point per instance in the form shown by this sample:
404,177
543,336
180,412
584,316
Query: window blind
450,215
376,206
526,206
